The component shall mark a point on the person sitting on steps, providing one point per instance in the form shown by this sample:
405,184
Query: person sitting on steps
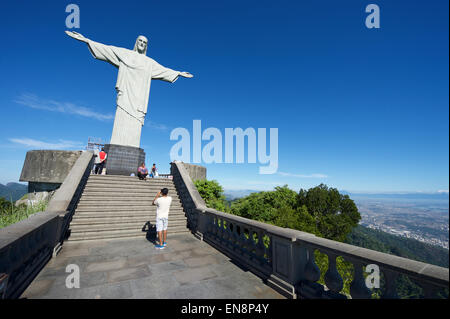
142,172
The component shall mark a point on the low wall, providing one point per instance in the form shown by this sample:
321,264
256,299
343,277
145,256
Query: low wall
26,247
285,257
195,171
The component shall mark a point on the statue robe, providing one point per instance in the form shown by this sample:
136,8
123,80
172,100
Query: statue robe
136,71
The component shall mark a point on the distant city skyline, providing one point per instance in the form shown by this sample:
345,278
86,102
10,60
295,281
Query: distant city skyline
361,110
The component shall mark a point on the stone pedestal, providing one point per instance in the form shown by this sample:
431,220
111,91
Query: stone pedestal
46,170
123,160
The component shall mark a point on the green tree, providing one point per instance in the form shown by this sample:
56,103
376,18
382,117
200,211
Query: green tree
335,214
212,194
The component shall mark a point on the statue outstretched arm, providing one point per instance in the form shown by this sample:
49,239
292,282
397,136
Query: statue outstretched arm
186,75
77,36
160,72
100,51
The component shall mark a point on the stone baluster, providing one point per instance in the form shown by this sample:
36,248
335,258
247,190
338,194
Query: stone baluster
260,246
242,240
214,227
251,242
358,287
312,271
236,236
333,279
226,231
268,251
220,230
229,234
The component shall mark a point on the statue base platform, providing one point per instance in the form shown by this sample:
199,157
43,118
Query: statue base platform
123,160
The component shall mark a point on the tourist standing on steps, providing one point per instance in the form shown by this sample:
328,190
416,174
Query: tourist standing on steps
102,157
154,172
142,172
162,202
96,160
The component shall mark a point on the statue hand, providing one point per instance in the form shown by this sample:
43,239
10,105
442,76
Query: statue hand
76,36
186,75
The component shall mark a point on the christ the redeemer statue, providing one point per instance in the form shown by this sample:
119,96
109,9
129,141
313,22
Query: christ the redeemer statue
136,72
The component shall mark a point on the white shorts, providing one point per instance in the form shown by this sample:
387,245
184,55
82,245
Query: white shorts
161,224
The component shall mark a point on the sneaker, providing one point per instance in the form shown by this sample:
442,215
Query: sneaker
159,246
165,244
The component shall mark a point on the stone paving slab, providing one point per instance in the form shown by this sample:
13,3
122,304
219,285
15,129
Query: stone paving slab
133,268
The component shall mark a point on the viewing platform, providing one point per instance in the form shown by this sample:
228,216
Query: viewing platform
133,268
210,254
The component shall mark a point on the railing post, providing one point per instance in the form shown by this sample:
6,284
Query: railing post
288,263
202,224
309,288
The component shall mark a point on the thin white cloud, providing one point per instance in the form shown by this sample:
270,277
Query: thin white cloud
445,191
35,102
61,144
157,126
303,176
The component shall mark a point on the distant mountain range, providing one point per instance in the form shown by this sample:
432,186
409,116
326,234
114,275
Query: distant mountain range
234,194
413,196
13,191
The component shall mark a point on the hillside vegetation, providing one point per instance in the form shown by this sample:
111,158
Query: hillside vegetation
10,214
400,246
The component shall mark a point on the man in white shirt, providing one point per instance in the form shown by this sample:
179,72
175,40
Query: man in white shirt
162,216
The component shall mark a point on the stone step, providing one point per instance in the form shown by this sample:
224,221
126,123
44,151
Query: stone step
130,189
103,195
119,187
103,204
133,180
124,207
128,185
130,193
123,199
130,181
127,191
138,225
124,212
121,219
122,234
121,208
122,177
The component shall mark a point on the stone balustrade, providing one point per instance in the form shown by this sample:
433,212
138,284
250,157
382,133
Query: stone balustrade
26,246
285,258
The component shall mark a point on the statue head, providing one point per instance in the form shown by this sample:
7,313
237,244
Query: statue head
141,45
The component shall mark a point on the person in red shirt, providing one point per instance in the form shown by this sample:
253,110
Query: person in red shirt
99,167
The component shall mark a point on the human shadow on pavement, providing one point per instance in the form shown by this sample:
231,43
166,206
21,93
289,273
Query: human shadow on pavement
151,232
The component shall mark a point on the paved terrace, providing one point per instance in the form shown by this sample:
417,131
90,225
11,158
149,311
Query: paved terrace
134,268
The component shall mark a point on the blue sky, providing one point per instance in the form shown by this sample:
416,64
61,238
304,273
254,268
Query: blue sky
356,108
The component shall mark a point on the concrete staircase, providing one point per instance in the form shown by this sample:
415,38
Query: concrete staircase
113,206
